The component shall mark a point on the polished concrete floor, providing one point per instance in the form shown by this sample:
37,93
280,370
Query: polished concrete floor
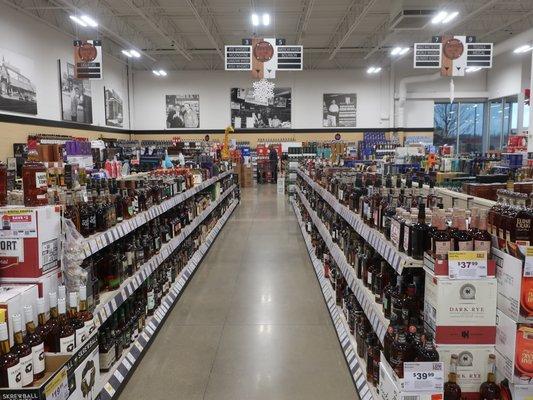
252,323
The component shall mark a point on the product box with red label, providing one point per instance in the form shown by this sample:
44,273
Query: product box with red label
13,298
460,311
29,241
471,366
515,291
514,347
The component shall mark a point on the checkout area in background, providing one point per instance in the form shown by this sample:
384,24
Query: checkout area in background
262,165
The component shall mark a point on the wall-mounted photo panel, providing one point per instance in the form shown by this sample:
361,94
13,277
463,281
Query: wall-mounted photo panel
249,112
114,108
18,92
339,110
76,98
182,111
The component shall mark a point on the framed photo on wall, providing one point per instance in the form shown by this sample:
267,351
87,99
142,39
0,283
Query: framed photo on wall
339,110
182,111
76,97
114,108
249,112
18,92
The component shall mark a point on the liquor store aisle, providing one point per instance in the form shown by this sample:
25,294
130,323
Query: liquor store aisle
252,323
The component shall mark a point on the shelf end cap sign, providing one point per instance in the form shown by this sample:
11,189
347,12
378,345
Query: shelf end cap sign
467,264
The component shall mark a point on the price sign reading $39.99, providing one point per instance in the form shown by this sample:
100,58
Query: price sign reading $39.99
423,376
467,264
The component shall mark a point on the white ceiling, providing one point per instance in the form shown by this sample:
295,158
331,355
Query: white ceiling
336,34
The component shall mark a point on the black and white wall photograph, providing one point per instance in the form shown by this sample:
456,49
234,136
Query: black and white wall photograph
339,110
18,92
182,111
252,112
76,99
114,108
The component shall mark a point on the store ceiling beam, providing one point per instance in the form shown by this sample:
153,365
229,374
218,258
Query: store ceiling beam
207,22
161,24
355,14
303,21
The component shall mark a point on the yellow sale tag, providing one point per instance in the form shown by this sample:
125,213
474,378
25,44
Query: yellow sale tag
528,264
57,388
467,264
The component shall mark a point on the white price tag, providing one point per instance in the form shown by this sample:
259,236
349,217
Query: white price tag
528,264
423,376
467,264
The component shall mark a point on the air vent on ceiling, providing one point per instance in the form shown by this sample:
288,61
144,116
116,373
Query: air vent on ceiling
411,19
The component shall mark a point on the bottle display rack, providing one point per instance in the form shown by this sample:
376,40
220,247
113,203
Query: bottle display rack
376,239
114,380
98,241
110,301
346,340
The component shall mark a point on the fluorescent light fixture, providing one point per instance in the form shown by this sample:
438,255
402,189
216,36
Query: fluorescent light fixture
373,70
255,19
156,72
127,53
523,49
135,53
266,19
395,51
437,19
89,21
162,72
473,69
404,50
78,21
450,17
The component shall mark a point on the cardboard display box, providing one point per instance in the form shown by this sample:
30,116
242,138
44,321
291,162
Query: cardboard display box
460,311
29,241
514,347
13,298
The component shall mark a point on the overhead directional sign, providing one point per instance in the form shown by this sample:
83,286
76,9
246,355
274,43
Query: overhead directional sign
428,55
238,58
290,58
479,55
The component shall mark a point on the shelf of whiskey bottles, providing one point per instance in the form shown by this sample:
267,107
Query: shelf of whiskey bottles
122,267
347,341
129,332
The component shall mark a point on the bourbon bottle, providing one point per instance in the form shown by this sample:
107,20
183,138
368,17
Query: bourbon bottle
23,352
10,370
452,391
489,390
36,343
34,179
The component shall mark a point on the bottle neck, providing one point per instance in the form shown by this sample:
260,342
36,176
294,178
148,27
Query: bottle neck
4,346
83,305
30,327
18,337
42,318
53,312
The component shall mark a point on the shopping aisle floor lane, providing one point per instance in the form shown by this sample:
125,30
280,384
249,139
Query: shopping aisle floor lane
252,324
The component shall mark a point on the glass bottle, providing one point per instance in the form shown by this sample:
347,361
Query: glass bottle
482,238
64,334
462,239
489,390
150,296
36,343
428,352
84,314
34,179
51,325
107,350
22,351
419,233
452,391
400,353
10,369
80,334
441,237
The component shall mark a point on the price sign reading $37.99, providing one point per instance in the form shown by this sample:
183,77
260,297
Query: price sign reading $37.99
467,264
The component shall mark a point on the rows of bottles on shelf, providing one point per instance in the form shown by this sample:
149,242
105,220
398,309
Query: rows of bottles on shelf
123,327
400,297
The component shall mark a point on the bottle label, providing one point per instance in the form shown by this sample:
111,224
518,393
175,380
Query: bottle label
37,353
395,229
442,247
376,218
81,336
369,278
130,257
67,344
482,245
107,359
14,377
406,237
466,246
150,300
40,180
89,328
26,369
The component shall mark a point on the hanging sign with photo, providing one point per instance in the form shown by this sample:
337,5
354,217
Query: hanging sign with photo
88,59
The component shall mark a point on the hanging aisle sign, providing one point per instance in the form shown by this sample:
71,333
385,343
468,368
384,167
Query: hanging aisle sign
238,58
88,59
427,55
290,58
479,55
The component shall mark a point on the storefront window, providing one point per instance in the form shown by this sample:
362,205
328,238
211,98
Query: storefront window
459,125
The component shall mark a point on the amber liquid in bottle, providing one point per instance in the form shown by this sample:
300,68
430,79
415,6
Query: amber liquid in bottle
10,371
85,315
64,334
75,322
23,352
452,391
34,180
51,325
36,343
489,390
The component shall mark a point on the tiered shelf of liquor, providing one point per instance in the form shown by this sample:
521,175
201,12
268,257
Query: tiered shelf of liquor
113,381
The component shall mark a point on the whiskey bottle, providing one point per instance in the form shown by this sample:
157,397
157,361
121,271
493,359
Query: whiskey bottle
10,368
428,351
48,331
80,333
419,234
107,350
452,391
84,314
441,240
482,239
461,237
64,334
36,343
489,390
401,352
22,351
34,179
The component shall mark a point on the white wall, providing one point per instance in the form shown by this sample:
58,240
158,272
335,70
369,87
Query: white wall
45,45
214,89
505,77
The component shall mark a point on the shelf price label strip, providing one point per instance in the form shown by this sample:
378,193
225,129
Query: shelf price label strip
344,340
95,243
376,239
370,307
105,310
125,367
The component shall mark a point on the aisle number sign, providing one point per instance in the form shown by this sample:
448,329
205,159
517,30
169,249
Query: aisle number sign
423,377
467,264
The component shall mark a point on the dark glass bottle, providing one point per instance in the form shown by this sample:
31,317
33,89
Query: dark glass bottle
387,294
428,351
379,283
51,326
64,334
419,233
80,334
489,390
22,351
482,238
150,296
441,240
129,252
3,184
452,391
401,352
84,314
36,343
10,369
462,239
106,349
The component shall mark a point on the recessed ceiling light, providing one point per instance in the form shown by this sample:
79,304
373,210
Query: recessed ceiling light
163,72
523,49
395,51
89,21
404,51
373,70
266,19
450,17
78,21
473,69
437,19
155,72
126,53
255,19
135,53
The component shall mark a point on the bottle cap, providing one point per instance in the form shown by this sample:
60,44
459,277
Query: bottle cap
62,306
73,299
17,323
61,292
28,313
3,331
53,299
40,306
83,293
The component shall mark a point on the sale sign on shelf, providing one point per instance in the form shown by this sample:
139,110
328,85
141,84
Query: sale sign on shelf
423,376
467,264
